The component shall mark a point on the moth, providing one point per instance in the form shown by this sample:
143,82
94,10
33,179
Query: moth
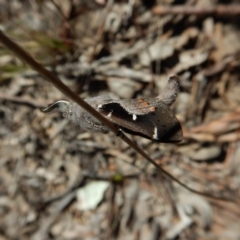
150,118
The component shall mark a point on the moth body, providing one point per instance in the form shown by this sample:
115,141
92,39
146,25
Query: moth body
147,117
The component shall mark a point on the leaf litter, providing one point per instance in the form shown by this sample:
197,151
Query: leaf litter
128,48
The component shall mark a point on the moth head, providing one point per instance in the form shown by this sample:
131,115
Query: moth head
77,115
58,106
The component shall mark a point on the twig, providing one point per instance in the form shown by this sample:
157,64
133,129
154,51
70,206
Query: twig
74,97
221,66
23,100
59,9
42,233
223,10
100,30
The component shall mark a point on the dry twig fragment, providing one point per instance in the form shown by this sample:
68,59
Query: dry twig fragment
229,10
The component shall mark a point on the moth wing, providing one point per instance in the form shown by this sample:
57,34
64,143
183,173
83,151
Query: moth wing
160,124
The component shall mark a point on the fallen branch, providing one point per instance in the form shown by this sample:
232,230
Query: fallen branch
221,10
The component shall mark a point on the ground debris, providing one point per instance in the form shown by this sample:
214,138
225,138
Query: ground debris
127,48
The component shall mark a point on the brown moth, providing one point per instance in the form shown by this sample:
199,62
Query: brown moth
147,117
